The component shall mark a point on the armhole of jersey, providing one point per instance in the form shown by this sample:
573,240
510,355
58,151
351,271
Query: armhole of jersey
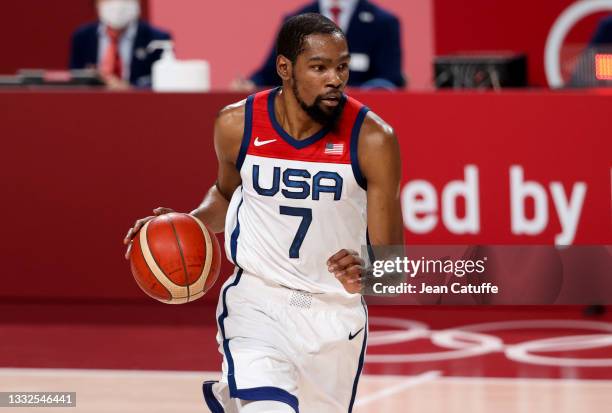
246,135
369,248
355,144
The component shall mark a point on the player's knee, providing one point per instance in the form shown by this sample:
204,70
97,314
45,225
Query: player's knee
265,406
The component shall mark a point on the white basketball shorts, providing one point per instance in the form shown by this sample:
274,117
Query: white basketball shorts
304,350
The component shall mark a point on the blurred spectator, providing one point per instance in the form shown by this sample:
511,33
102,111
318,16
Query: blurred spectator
584,74
373,36
603,33
117,44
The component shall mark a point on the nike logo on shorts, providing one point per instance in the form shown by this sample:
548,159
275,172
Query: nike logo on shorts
352,336
262,143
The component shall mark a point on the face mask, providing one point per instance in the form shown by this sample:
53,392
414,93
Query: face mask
117,14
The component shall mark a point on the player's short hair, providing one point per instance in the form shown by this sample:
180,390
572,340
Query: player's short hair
290,40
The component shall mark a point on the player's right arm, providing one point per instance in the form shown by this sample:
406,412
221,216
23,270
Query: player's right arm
229,128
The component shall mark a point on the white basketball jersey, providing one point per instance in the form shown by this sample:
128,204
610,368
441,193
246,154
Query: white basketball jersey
300,201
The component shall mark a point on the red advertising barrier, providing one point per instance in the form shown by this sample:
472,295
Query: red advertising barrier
79,168
504,168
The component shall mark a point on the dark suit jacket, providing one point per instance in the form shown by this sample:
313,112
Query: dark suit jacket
379,39
603,33
84,52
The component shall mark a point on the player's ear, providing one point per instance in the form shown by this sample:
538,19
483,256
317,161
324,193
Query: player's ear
283,67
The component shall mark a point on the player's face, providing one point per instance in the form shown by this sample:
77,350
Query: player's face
319,76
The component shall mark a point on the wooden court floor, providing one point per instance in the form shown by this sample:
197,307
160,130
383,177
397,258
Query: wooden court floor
173,391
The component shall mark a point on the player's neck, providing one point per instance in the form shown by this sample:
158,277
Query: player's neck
292,117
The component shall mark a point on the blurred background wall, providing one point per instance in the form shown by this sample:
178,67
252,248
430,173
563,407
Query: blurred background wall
238,45
430,27
518,25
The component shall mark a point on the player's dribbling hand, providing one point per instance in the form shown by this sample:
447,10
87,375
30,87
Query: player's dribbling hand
139,224
347,266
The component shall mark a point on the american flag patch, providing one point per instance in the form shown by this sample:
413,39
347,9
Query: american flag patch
334,148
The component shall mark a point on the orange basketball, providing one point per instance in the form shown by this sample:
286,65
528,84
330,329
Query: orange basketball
175,258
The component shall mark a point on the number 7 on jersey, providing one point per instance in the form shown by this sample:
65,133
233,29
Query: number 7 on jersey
306,214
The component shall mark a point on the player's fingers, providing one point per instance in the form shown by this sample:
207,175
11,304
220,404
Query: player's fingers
355,270
129,251
162,211
351,283
344,279
138,224
337,256
348,261
128,236
349,274
332,263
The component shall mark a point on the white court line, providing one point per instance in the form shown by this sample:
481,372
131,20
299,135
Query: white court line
176,374
530,380
410,381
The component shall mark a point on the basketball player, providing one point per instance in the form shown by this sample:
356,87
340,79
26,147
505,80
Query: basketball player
297,167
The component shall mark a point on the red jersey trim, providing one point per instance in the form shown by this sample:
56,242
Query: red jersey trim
326,146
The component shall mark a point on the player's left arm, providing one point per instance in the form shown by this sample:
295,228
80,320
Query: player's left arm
380,164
